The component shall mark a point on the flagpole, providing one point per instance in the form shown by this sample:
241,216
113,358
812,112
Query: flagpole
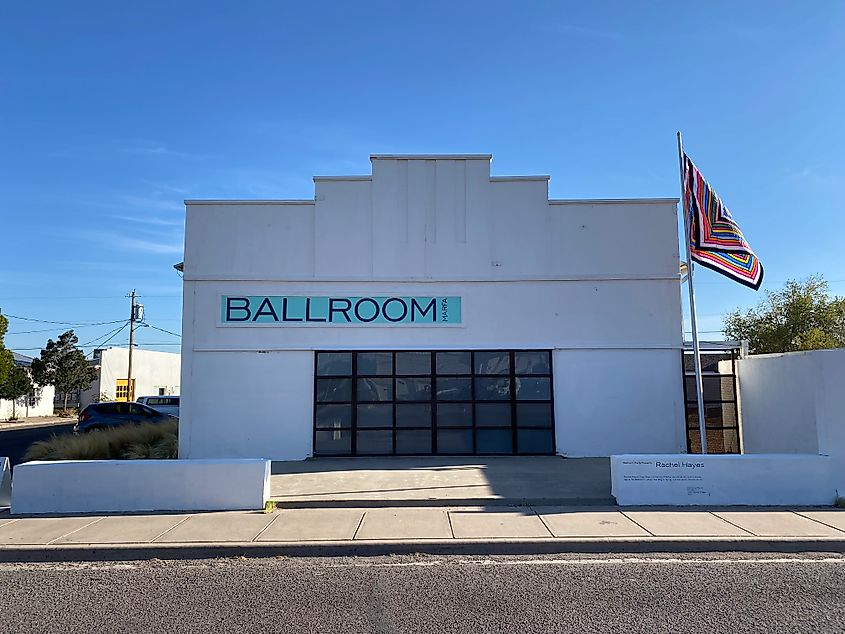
696,351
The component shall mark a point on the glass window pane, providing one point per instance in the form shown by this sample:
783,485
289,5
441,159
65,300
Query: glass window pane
374,442
715,415
718,441
532,363
494,441
492,389
454,441
533,414
334,363
333,416
375,416
333,443
492,362
454,389
370,363
413,389
410,442
454,362
333,390
716,388
375,390
413,363
454,415
534,440
531,389
493,414
416,415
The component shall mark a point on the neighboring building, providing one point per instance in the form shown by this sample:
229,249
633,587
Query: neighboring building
39,403
430,308
153,373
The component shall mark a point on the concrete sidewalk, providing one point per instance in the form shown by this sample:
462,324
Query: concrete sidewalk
465,529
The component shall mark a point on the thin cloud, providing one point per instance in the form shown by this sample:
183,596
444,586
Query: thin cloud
151,220
119,242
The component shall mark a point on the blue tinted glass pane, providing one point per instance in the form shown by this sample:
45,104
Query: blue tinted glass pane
416,415
533,415
410,442
454,415
333,443
333,416
493,414
375,363
413,363
334,363
375,389
454,363
454,441
375,416
532,363
531,389
413,389
494,441
492,389
377,442
534,441
454,389
333,390
492,362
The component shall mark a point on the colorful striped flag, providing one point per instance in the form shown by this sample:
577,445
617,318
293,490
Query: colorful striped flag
716,241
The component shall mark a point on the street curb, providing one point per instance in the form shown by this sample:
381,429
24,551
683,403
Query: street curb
137,552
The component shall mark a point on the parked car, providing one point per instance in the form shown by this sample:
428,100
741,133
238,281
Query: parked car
107,415
163,404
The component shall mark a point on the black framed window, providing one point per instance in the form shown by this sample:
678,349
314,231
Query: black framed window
437,402
721,414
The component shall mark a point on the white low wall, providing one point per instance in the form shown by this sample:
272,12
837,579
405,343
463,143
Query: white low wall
687,479
104,486
5,482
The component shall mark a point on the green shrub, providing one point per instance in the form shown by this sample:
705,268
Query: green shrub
127,442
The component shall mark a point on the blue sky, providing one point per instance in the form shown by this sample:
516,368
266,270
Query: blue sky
112,113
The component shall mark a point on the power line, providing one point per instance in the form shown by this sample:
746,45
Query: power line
64,323
113,334
175,334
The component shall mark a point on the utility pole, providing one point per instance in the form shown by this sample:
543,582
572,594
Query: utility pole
130,392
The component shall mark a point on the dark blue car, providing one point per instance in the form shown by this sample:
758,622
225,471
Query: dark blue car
108,415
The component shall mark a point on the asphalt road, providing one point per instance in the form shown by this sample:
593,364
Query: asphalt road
430,594
15,442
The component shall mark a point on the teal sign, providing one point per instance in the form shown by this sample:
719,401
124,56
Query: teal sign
339,311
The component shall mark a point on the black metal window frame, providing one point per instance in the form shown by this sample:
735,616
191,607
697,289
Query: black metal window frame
691,406
433,376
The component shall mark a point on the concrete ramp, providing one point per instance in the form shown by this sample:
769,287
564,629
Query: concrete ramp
439,481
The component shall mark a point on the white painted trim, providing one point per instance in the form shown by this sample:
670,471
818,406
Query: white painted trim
250,202
431,157
498,345
612,201
342,178
222,277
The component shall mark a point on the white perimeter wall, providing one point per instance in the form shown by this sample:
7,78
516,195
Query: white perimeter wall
793,402
532,273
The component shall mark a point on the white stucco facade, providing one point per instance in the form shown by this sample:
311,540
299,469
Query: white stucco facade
153,373
593,281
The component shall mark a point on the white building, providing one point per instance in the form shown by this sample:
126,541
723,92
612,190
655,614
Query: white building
431,308
153,373
39,403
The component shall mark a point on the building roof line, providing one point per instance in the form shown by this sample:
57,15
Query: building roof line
431,157
611,201
249,202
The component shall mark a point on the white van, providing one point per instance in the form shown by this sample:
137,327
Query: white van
163,404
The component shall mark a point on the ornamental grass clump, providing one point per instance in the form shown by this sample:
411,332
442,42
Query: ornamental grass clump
127,442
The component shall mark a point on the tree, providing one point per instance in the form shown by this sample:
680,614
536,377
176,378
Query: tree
64,366
16,386
801,316
7,359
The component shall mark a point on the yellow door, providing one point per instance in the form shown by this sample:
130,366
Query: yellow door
121,390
